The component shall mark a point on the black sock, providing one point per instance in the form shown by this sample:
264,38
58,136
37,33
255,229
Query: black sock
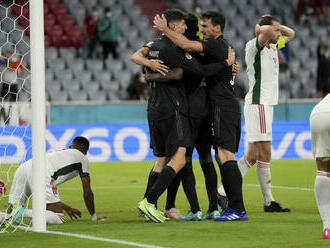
151,181
211,182
172,190
232,183
164,179
189,187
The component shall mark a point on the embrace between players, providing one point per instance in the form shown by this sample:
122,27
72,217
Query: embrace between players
193,105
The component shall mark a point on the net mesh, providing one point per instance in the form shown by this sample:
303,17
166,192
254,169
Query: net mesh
15,133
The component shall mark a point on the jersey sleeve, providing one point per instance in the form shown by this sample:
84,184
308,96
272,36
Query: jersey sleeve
251,49
84,167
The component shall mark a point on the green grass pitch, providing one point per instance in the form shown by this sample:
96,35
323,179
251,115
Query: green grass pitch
119,186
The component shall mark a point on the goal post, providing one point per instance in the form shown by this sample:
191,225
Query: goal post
38,114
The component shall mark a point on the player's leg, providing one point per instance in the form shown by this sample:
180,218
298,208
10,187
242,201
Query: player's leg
189,187
176,140
172,190
226,134
322,194
320,129
20,191
203,143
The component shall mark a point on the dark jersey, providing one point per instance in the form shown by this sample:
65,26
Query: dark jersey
168,97
196,91
220,86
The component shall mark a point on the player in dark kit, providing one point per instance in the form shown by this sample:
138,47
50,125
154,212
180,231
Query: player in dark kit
201,133
168,110
225,108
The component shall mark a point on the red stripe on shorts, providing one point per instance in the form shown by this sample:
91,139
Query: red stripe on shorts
262,118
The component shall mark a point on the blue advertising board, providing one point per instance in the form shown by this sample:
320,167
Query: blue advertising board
130,142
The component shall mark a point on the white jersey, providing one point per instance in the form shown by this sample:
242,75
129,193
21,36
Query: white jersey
66,164
323,106
262,70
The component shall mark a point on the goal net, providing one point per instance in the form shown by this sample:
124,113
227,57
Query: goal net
16,111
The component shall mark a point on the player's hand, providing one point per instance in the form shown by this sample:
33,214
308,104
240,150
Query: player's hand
236,68
160,22
73,213
231,56
158,65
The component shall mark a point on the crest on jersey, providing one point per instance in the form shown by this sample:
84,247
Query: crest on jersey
149,44
188,56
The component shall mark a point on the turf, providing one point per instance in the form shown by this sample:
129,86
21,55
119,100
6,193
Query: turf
119,186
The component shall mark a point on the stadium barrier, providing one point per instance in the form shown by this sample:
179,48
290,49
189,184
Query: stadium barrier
130,142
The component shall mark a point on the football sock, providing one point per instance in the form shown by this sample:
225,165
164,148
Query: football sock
322,195
172,191
164,179
232,183
211,182
264,178
51,217
189,187
151,180
243,167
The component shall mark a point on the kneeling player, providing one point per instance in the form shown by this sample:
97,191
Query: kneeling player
61,166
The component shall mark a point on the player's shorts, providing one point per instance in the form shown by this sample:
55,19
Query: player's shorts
21,188
226,129
201,132
320,129
167,135
258,122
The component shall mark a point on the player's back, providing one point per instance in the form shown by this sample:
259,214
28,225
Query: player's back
221,85
263,70
323,106
65,164
166,97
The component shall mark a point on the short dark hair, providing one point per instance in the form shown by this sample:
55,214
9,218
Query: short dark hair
267,20
81,143
216,17
192,27
173,15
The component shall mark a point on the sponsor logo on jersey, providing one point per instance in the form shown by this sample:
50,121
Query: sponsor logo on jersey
154,54
188,56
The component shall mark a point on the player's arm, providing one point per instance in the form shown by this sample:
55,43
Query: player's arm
172,75
287,33
89,198
192,66
263,33
180,40
140,58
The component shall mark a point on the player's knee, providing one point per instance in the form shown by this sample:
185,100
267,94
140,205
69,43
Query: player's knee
53,218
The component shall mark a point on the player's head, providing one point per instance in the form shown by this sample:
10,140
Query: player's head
213,24
192,27
80,143
176,20
274,23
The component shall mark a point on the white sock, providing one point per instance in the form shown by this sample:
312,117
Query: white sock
243,167
51,217
264,178
322,195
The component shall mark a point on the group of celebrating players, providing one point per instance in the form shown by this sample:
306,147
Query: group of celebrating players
190,70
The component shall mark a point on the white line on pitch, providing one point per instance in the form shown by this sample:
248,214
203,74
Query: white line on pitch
197,185
83,236
281,187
